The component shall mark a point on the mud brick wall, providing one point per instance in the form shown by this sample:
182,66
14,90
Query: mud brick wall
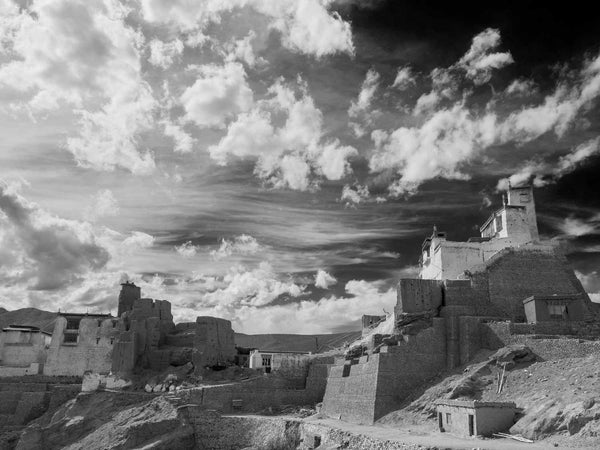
417,295
499,334
251,396
376,384
318,372
515,274
406,366
93,350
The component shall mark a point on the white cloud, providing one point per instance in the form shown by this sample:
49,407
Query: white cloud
55,49
521,87
354,195
187,249
239,245
543,173
287,155
323,279
103,204
404,78
571,226
162,54
219,93
306,26
242,50
138,240
479,62
257,287
184,142
366,94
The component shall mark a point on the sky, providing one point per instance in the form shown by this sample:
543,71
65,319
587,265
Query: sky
279,163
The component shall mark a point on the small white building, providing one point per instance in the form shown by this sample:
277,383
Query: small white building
513,225
271,361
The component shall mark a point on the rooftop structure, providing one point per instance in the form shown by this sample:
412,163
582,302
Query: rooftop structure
511,226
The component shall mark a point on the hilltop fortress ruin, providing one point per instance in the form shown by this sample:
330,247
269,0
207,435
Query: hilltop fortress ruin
503,287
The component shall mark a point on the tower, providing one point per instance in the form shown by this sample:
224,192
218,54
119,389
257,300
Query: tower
523,196
128,295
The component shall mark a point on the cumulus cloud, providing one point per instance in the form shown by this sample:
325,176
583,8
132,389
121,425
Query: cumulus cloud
365,96
360,108
306,26
287,155
103,204
239,245
42,250
479,61
353,195
184,142
55,48
257,287
242,50
521,87
323,279
404,78
187,249
162,54
138,240
219,93
447,132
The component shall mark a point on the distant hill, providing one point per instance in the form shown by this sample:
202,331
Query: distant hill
28,316
295,342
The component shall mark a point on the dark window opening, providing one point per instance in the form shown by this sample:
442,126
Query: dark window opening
471,425
112,340
448,418
73,323
97,341
70,338
498,223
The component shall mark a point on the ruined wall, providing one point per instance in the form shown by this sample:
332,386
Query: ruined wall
129,294
365,389
417,295
250,396
213,343
92,351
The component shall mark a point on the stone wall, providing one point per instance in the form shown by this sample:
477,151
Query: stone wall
92,351
21,348
251,395
365,389
417,295
516,274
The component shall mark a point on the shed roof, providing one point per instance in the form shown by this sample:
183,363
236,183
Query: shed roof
474,403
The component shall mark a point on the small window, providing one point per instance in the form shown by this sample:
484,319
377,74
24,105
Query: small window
266,360
498,223
97,341
73,323
557,311
448,418
112,340
70,338
524,197
99,322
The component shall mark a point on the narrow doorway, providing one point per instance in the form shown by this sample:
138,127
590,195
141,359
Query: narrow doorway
471,425
440,422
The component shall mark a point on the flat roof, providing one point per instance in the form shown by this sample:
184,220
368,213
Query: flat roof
25,329
474,403
565,297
